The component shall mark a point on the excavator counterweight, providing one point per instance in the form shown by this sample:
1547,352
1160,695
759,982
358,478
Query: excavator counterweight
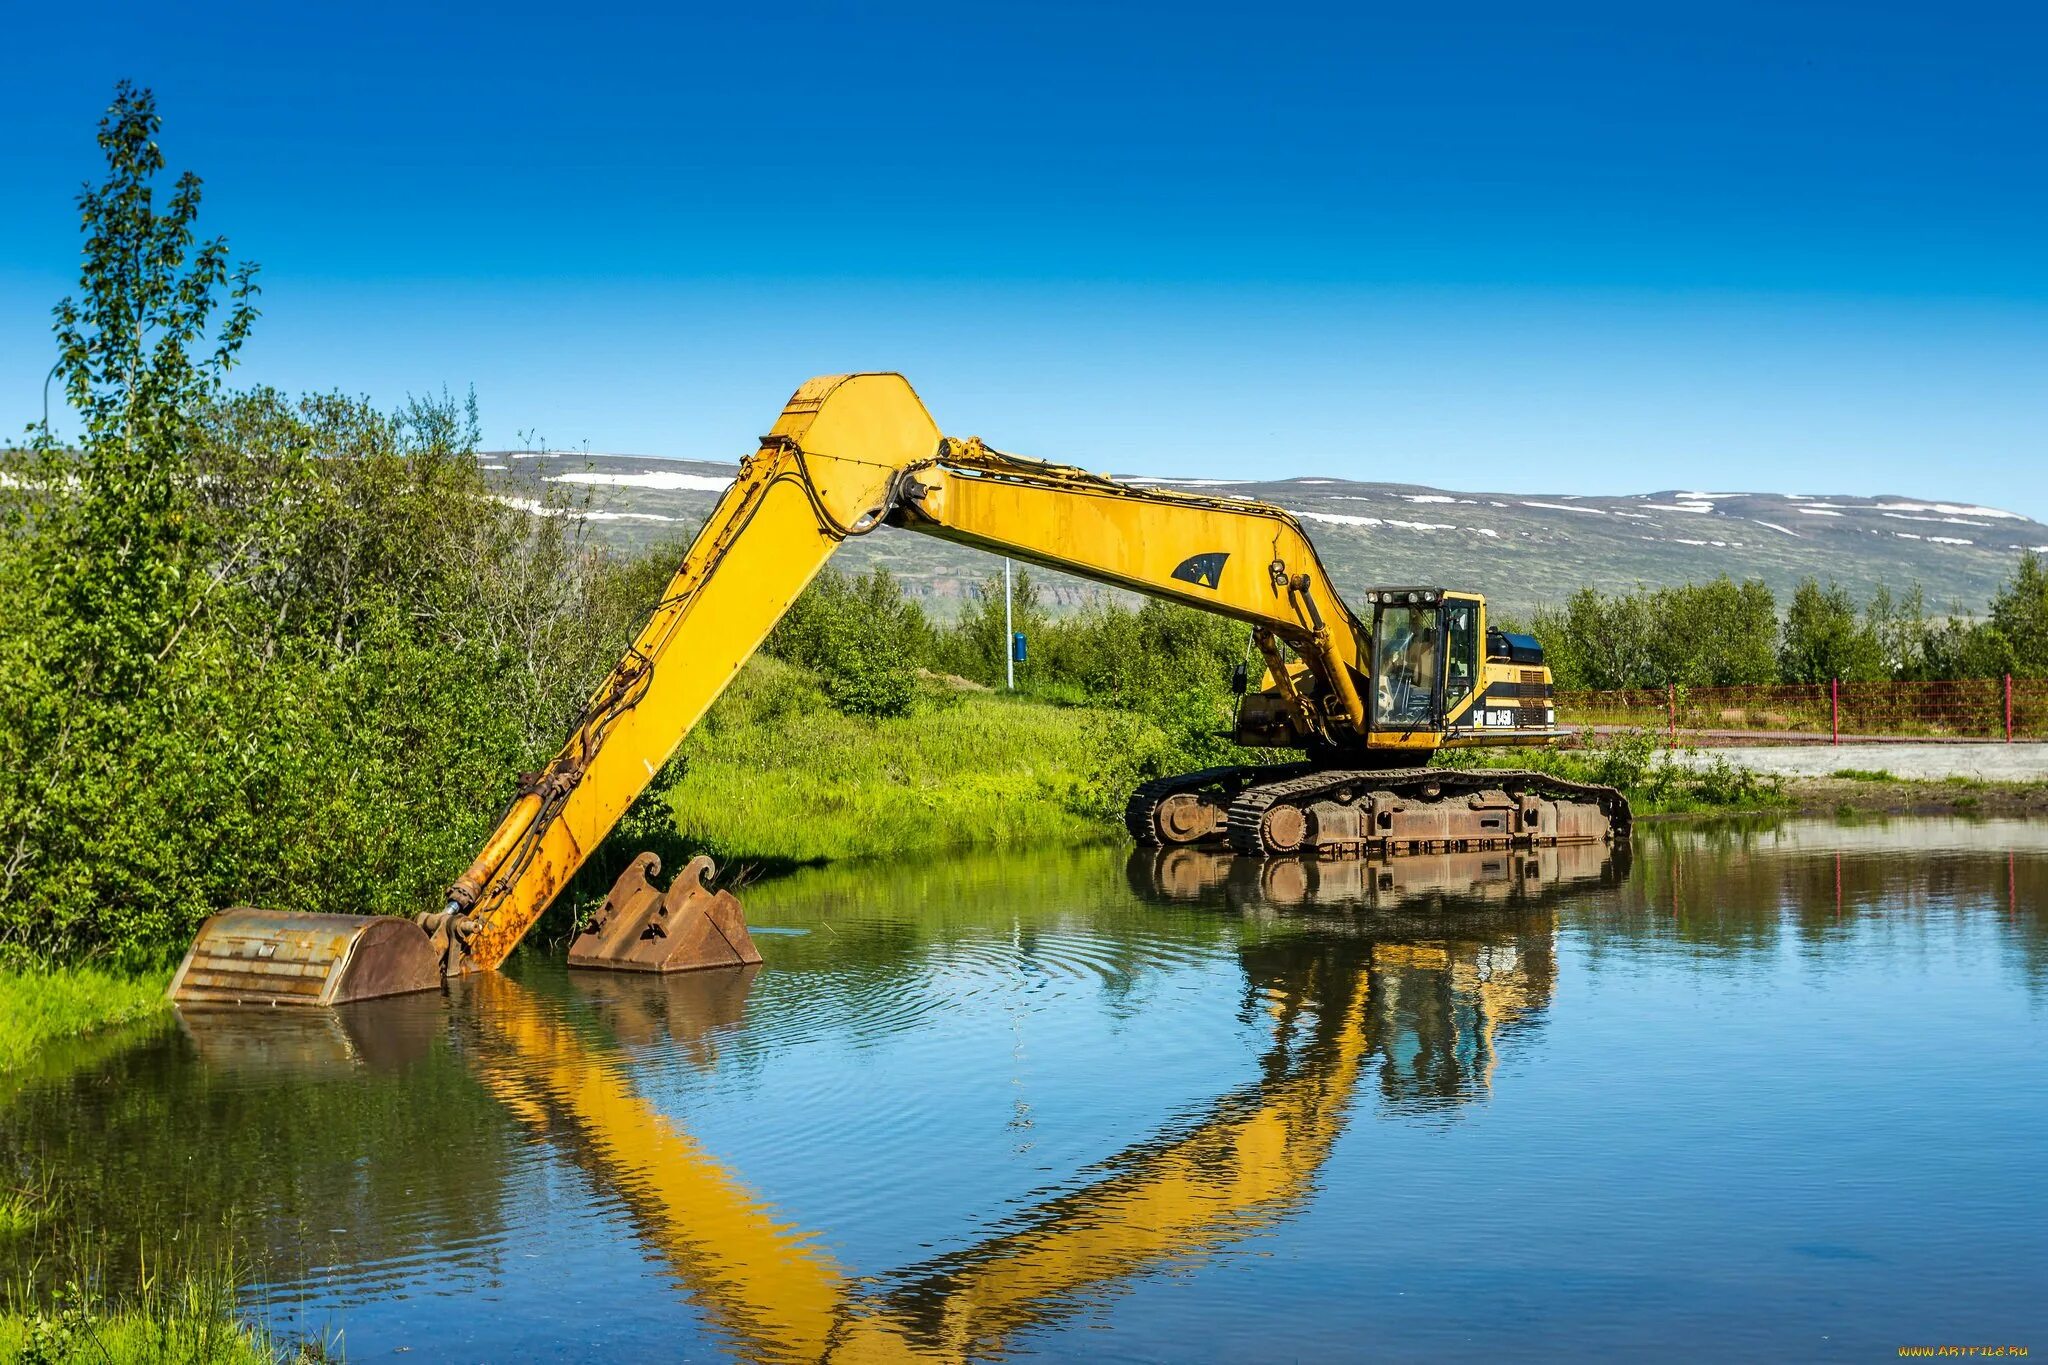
1367,698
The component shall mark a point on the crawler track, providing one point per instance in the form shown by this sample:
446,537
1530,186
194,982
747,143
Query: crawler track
1247,825
1219,785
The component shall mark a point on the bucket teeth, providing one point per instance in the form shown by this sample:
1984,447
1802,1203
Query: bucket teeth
246,956
641,928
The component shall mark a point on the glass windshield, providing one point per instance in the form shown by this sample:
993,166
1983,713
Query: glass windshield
1404,665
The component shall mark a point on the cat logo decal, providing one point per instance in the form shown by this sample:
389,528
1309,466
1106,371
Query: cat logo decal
1204,571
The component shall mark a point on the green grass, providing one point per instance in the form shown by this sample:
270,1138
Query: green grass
1863,775
775,778
191,1321
21,1211
1639,766
41,1005
183,1307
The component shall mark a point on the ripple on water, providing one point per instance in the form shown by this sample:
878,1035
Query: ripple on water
1220,1127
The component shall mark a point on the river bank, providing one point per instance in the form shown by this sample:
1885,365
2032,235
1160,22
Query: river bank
191,1320
42,1005
775,779
1877,792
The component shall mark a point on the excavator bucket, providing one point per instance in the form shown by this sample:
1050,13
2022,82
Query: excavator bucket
641,928
246,956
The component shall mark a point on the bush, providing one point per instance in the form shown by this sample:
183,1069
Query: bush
862,636
1717,634
1824,640
1723,634
368,648
1637,764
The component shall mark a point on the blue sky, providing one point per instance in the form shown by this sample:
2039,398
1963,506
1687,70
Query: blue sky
1567,248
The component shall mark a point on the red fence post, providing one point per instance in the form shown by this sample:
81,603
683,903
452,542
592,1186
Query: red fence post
1671,712
1835,707
2008,708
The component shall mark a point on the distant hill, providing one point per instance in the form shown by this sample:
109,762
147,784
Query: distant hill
1521,550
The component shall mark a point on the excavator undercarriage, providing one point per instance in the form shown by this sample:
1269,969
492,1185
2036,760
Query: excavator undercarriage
1369,695
1302,809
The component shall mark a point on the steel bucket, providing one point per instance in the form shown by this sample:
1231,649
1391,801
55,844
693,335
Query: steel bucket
246,956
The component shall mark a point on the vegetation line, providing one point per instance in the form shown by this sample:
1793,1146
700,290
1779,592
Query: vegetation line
39,1005
1728,634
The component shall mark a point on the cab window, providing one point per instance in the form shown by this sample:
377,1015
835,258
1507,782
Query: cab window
1461,651
1404,666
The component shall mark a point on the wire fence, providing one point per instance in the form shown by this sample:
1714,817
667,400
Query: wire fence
1968,709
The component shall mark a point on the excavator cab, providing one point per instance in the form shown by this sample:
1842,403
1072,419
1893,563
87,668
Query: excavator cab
1426,665
1439,667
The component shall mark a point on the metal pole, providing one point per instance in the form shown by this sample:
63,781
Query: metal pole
1009,636
2008,708
1835,706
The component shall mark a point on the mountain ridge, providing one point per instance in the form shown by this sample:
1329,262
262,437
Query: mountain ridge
1521,549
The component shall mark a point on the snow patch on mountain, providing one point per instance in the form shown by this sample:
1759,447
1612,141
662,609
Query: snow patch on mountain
1952,509
541,509
1345,519
1950,521
665,482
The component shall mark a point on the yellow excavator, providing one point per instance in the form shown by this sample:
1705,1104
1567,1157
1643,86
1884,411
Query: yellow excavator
1366,696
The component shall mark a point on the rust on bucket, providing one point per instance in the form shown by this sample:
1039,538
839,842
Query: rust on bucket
246,956
641,928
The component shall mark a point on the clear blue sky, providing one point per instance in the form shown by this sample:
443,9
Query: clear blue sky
1559,247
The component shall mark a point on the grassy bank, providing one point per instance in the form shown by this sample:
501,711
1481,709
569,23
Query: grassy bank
41,1005
775,777
190,1321
1641,768
1865,791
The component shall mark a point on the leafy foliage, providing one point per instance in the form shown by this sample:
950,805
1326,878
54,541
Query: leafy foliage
1824,639
862,636
2019,615
1723,634
259,650
1706,635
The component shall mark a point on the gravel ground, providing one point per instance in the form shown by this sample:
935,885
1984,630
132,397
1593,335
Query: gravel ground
2026,762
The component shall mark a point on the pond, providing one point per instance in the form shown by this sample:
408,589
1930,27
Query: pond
1767,1089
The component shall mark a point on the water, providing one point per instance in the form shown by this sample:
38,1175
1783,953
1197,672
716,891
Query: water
1770,1091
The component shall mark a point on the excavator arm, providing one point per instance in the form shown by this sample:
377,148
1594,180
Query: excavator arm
851,453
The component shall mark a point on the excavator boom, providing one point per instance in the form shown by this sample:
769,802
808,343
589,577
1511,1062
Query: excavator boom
849,453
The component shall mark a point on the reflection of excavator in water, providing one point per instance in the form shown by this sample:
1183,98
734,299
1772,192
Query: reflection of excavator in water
1367,698
1424,1007
1495,878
